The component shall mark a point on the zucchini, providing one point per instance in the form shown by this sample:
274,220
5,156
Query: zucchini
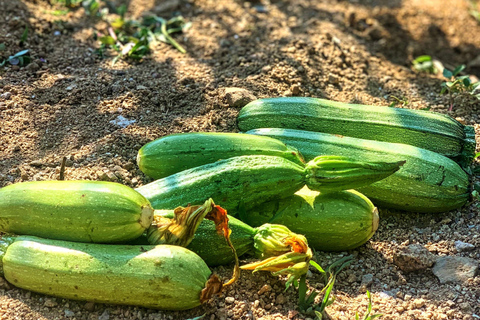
428,130
211,247
84,211
177,152
251,180
331,222
427,182
162,277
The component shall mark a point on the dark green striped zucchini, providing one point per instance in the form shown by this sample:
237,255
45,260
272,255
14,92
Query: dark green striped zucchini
427,182
211,247
161,277
177,152
251,180
85,211
331,222
428,130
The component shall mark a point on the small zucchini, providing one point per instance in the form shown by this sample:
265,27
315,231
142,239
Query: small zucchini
427,182
84,211
331,222
162,277
424,129
177,152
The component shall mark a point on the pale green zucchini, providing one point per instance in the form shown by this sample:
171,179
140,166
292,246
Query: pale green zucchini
177,152
251,180
85,211
427,182
428,130
337,221
162,277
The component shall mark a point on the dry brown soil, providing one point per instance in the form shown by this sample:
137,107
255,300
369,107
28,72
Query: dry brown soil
346,50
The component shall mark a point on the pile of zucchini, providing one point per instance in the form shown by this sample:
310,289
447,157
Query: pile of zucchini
291,174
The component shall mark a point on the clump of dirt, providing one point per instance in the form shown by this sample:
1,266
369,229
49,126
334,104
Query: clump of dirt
70,102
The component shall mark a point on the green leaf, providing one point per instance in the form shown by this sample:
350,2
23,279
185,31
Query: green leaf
317,266
318,315
447,73
421,59
2,46
108,40
467,82
24,35
21,53
458,69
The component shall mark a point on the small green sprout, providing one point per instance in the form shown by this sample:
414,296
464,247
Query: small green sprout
367,315
306,302
18,59
401,101
425,64
458,84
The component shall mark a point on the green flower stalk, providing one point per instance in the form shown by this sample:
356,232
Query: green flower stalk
336,173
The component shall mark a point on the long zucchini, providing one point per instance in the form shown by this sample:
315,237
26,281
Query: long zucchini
251,180
428,130
177,152
331,222
162,277
427,182
85,211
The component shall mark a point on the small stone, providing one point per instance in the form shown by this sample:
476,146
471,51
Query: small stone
333,78
452,269
419,303
128,166
36,163
111,176
24,175
295,88
32,67
414,257
287,93
50,303
6,95
229,300
69,313
102,176
89,306
140,87
265,288
68,163
168,5
280,299
266,69
105,315
463,246
238,97
351,278
367,280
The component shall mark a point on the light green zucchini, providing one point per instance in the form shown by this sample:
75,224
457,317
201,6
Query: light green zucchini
85,211
428,130
337,221
251,180
177,152
162,277
427,182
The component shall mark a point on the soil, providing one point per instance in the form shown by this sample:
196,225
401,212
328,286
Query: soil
62,105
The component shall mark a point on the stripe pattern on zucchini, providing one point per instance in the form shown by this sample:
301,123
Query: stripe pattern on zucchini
429,130
177,152
427,182
85,211
162,277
